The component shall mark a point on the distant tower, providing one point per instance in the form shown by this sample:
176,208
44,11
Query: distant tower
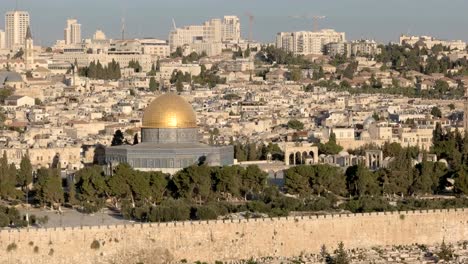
72,33
16,23
28,50
465,118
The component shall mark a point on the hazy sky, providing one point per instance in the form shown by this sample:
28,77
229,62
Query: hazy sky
383,20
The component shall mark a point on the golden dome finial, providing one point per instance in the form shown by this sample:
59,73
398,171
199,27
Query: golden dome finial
169,111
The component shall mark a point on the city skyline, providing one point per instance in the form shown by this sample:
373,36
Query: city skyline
383,21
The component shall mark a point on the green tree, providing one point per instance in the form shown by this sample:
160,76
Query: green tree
341,257
24,177
461,182
350,70
135,65
253,180
118,138
49,187
361,181
91,187
435,111
179,86
295,124
295,75
227,180
331,147
252,152
446,252
153,85
7,179
135,139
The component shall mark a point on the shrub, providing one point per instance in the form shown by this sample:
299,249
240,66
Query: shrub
11,247
204,213
170,210
95,245
36,249
51,252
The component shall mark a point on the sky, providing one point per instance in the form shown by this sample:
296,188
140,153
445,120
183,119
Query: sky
382,20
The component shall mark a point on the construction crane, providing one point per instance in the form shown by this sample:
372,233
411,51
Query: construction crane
251,20
314,18
316,22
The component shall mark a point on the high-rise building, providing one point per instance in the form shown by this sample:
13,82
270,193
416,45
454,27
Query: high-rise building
214,31
28,50
2,40
16,25
231,29
308,42
99,35
72,33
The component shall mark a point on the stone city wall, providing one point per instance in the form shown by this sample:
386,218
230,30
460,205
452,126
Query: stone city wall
229,240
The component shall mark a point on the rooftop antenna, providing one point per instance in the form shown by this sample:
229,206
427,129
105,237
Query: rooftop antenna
174,24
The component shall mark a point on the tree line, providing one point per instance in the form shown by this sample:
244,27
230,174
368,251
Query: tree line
401,177
96,70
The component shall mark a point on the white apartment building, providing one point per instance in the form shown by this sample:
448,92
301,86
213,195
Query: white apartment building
430,42
72,33
338,48
308,42
355,48
2,40
16,25
231,29
365,47
155,47
212,32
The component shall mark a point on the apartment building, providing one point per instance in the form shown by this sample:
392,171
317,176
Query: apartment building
308,42
72,32
213,32
16,25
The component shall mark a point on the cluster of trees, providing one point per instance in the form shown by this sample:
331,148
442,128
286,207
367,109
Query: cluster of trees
406,58
135,65
95,70
240,54
4,94
453,147
252,152
270,54
400,177
11,178
331,147
9,216
350,70
440,90
208,77
154,196
295,124
154,69
193,57
153,84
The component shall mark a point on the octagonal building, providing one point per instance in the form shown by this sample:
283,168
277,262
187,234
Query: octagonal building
169,140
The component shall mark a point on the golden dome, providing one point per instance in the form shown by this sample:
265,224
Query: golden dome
169,111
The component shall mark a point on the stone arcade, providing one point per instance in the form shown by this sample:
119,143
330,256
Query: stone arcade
169,138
